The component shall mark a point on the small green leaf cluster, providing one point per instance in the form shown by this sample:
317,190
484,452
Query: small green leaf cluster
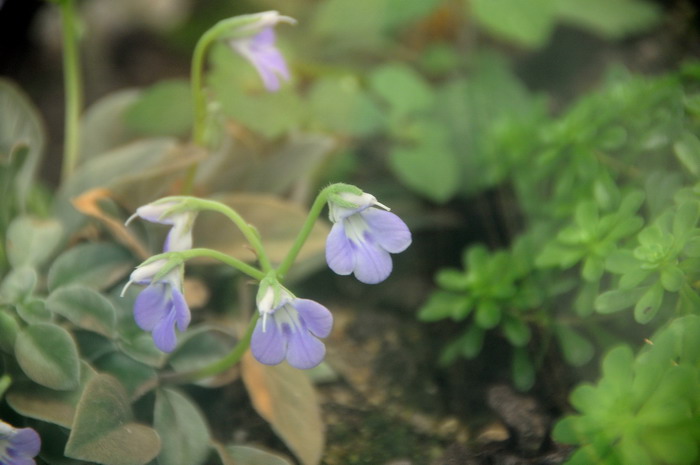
644,409
660,267
496,289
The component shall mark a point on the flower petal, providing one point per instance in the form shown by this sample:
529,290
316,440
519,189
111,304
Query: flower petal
268,347
22,461
304,350
372,263
27,441
164,333
154,213
179,238
340,252
390,232
151,306
315,317
182,311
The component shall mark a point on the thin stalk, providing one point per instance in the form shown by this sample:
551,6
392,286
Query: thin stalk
72,88
216,255
248,231
303,235
219,366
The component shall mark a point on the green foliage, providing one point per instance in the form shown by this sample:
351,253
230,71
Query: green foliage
164,109
611,225
643,410
530,24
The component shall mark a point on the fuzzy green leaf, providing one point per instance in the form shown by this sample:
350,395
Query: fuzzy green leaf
103,430
8,331
18,285
97,265
31,241
48,355
182,429
84,307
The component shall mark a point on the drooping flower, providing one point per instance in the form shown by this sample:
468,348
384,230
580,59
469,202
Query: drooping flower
363,236
256,43
289,328
180,236
161,306
18,446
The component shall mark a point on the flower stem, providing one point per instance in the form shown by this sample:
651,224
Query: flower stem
215,254
219,366
72,87
249,232
303,235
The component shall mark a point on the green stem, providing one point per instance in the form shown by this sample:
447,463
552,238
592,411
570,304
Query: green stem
249,232
303,235
72,87
215,254
219,366
199,97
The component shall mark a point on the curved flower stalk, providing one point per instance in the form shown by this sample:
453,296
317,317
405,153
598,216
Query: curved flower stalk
255,42
18,446
289,328
161,305
363,237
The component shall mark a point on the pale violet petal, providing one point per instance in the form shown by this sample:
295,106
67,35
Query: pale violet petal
304,350
390,232
164,333
179,238
265,38
269,346
27,441
182,311
340,251
154,212
22,461
372,263
315,317
151,306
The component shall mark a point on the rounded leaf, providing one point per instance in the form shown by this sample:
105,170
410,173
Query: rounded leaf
85,308
48,355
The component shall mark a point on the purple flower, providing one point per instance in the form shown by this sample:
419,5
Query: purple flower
180,235
257,45
18,446
363,236
161,305
289,328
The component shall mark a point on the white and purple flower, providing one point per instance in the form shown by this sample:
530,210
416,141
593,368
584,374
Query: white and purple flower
161,306
256,43
180,235
289,328
18,446
363,237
